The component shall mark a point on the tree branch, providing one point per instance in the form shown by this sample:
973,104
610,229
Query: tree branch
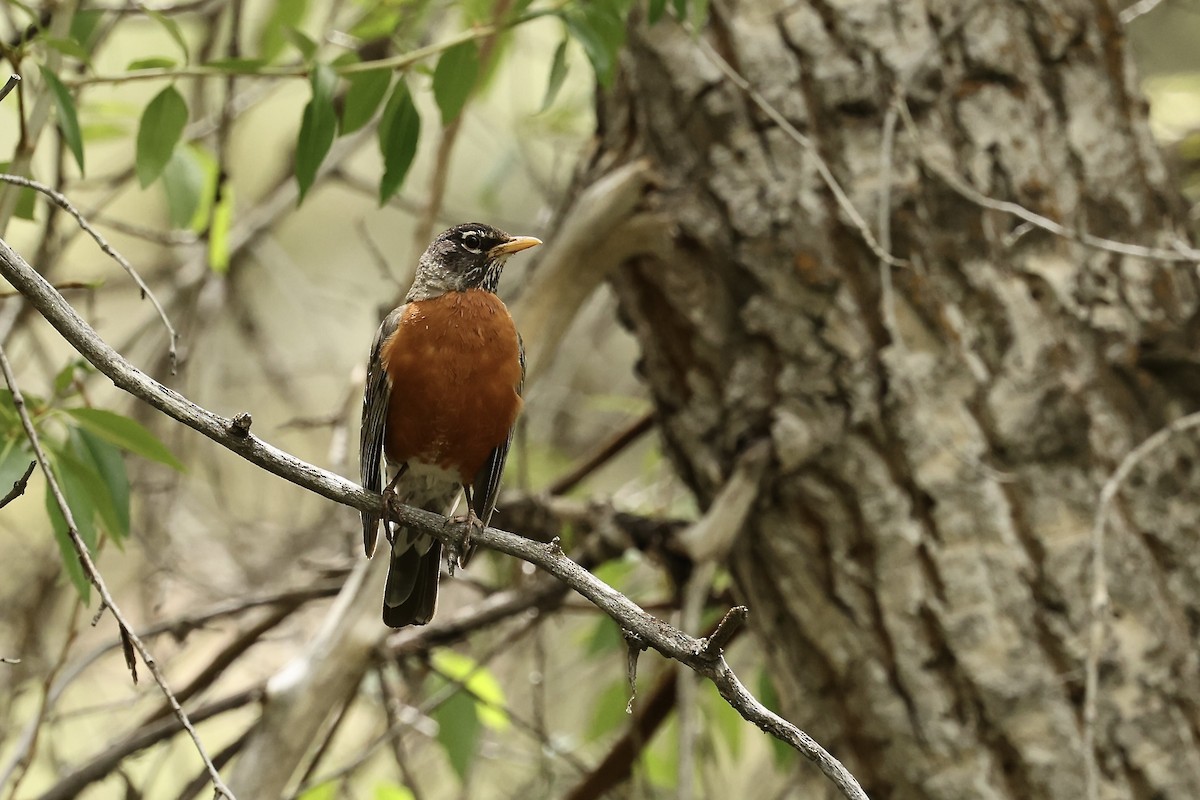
657,634
128,637
19,485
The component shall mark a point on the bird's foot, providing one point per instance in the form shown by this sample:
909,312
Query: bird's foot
460,550
390,499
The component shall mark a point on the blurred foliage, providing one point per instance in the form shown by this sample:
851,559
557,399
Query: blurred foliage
85,447
347,93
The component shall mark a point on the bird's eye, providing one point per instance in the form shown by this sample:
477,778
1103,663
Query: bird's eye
471,241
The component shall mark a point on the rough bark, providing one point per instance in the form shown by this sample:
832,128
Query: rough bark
917,563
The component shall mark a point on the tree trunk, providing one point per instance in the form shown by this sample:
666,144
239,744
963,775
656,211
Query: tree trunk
917,563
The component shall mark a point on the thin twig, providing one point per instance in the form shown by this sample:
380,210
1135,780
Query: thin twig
62,202
831,182
1138,9
93,574
1181,253
70,786
17,768
19,485
1098,625
436,193
604,453
393,63
9,85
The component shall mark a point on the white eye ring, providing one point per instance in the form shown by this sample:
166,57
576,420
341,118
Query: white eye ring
470,241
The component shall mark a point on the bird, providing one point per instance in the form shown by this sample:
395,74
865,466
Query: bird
441,399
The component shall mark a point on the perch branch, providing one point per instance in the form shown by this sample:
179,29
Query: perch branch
657,634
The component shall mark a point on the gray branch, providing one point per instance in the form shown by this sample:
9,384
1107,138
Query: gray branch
666,639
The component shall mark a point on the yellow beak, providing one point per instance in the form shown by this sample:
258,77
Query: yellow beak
514,245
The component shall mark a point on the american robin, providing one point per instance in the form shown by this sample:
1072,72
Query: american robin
442,395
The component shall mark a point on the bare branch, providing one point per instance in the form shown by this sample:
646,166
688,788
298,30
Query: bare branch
93,575
1138,9
103,765
19,485
655,633
9,85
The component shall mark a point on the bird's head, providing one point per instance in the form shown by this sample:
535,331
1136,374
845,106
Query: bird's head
467,256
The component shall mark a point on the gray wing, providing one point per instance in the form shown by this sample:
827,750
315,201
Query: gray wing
376,394
486,486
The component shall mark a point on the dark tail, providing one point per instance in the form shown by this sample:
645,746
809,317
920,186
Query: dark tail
410,596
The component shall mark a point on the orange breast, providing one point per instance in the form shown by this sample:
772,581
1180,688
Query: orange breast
455,367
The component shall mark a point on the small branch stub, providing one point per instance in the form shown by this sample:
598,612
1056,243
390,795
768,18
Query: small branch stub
239,426
712,647
11,84
636,646
19,486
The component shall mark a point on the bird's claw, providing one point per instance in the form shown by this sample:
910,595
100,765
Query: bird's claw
389,499
456,553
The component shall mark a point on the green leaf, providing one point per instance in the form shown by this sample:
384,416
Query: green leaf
172,28
302,42
660,761
26,198
238,66
65,379
8,413
14,460
218,230
655,11
458,731
480,682
75,467
68,120
317,128
69,47
154,62
322,791
454,78
391,791
160,130
65,546
605,637
84,26
125,433
608,714
190,181
109,465
601,31
558,74
399,131
363,98
378,23
73,481
286,14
